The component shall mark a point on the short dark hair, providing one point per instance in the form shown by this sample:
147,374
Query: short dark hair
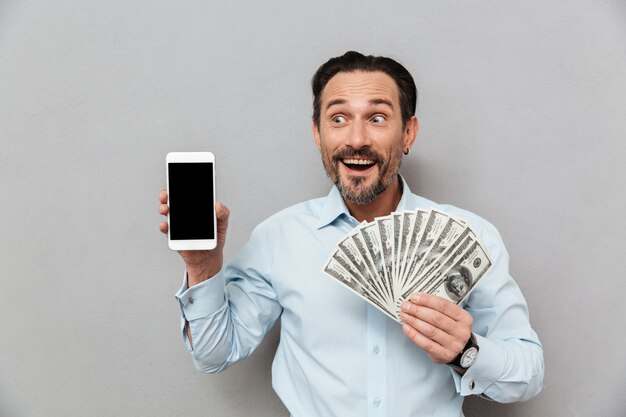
353,61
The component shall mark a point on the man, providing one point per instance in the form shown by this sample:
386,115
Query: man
338,355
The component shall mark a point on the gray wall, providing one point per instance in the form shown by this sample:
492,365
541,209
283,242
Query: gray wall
522,111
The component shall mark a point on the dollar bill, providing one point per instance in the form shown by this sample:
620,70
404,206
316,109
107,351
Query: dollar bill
445,239
385,235
369,234
372,271
407,224
352,252
434,225
390,258
335,270
417,230
425,282
457,282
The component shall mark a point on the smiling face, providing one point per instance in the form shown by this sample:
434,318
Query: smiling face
361,134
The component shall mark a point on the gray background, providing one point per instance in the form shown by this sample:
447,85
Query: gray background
522,111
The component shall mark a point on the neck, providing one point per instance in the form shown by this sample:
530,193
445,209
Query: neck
382,205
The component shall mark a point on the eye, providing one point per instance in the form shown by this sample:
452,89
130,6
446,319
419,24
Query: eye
378,118
338,120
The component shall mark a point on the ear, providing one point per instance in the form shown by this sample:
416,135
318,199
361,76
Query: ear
410,132
316,135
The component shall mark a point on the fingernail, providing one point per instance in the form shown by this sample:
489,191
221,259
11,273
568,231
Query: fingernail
404,306
415,298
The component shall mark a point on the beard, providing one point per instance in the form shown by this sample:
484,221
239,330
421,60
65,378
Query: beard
356,189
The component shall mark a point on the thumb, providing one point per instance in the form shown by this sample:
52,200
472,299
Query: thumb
222,213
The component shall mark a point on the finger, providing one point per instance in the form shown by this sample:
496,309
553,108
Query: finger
441,346
435,351
430,322
163,227
163,197
442,334
429,316
164,209
222,214
438,319
439,304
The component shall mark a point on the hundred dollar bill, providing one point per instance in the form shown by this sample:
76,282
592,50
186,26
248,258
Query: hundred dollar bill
457,282
454,249
417,230
447,236
350,250
407,223
340,257
385,234
369,233
335,270
434,225
397,229
435,275
367,268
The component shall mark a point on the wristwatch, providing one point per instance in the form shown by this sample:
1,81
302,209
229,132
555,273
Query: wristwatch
467,356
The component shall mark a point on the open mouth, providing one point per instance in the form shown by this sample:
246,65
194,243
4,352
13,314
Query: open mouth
358,164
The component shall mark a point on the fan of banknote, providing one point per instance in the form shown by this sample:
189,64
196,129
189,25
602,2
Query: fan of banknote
388,259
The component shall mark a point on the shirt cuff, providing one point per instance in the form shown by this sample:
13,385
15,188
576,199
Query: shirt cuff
202,299
487,368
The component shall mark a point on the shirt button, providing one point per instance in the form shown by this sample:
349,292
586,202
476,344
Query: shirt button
376,350
377,402
190,300
472,385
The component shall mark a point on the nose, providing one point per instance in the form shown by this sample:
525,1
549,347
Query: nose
358,136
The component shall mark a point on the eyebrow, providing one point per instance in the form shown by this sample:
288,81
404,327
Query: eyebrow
335,102
377,101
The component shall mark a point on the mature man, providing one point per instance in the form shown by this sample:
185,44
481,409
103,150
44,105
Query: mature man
338,355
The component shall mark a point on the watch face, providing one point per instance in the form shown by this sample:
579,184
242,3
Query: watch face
468,357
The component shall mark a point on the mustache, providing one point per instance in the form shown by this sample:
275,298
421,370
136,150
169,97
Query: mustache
349,152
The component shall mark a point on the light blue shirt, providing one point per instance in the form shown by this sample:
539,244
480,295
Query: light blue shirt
337,355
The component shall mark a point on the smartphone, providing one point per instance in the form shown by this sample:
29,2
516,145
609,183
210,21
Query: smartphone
191,200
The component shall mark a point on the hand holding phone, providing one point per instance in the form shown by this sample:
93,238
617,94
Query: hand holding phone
201,264
203,260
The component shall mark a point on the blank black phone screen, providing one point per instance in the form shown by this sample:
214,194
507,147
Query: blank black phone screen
191,200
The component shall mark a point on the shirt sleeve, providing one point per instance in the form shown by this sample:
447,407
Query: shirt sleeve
509,366
230,313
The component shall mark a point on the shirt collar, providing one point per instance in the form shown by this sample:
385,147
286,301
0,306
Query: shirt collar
334,206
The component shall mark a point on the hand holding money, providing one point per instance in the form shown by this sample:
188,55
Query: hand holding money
438,326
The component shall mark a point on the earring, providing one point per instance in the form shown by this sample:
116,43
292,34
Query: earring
407,151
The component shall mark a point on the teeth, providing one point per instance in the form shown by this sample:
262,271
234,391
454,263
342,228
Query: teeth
358,161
